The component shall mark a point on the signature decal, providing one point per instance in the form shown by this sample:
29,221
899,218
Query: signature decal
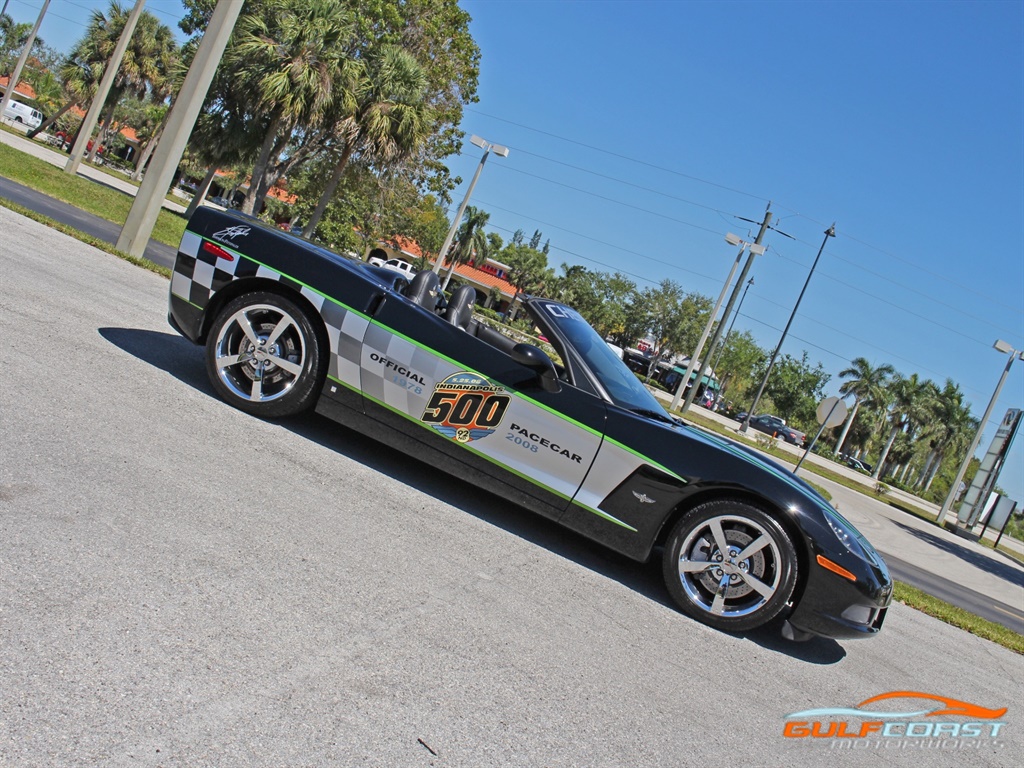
230,233
466,407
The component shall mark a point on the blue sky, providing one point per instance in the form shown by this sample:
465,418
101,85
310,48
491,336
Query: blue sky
641,132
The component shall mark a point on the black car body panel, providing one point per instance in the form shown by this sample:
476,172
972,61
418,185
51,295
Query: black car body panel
591,455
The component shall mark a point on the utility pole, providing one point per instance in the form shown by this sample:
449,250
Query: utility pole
180,122
1003,347
93,115
12,81
830,232
716,357
728,309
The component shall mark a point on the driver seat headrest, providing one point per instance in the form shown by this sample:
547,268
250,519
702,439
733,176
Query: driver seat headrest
460,308
424,289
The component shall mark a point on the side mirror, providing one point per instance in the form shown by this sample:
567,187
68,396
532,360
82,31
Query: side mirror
538,360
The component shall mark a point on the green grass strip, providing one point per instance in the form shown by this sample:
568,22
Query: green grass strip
83,193
958,617
87,239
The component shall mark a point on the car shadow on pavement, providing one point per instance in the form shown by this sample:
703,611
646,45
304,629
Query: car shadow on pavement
184,361
1010,571
167,351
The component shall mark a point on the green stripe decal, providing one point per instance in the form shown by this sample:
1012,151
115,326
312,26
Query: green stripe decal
646,459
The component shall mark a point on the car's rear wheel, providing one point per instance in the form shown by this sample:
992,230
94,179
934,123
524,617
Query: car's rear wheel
730,565
263,356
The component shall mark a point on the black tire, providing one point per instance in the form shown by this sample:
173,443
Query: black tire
263,356
743,588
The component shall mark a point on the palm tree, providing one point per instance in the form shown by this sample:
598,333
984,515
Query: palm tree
911,402
470,239
865,384
389,120
951,424
218,140
288,58
147,63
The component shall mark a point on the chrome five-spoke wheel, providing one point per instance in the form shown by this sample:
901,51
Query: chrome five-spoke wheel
263,355
730,565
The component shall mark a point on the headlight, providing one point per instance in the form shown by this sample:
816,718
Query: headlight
849,536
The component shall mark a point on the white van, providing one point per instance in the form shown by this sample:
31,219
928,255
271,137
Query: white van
23,113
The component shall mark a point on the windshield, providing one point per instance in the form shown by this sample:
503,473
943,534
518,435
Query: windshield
618,381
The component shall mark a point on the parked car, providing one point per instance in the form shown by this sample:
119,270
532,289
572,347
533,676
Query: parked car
858,464
398,265
776,427
289,326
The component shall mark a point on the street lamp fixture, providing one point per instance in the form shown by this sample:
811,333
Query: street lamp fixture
487,147
1006,349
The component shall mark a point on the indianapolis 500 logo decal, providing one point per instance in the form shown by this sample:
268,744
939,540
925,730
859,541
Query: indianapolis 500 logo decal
466,407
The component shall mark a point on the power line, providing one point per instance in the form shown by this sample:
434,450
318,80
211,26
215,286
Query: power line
611,200
620,156
851,262
923,268
652,281
623,249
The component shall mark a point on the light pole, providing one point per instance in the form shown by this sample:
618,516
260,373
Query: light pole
498,149
732,300
999,346
830,232
755,249
15,76
725,338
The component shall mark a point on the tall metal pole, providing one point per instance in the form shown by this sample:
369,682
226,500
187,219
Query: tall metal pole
707,331
951,496
487,147
728,307
92,116
715,360
830,232
180,122
458,216
12,81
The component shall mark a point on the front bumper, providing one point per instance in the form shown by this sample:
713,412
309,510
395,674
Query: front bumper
833,606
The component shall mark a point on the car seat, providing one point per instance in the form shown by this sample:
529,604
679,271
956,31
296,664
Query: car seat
460,308
424,289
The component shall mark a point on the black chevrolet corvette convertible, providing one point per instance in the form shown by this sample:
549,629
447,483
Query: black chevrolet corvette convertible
562,428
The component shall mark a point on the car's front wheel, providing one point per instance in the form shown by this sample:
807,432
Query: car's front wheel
263,356
730,565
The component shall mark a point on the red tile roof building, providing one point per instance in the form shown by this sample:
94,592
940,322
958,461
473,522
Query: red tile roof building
484,277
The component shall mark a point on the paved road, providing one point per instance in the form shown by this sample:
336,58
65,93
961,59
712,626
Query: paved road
101,229
930,558
184,585
978,603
